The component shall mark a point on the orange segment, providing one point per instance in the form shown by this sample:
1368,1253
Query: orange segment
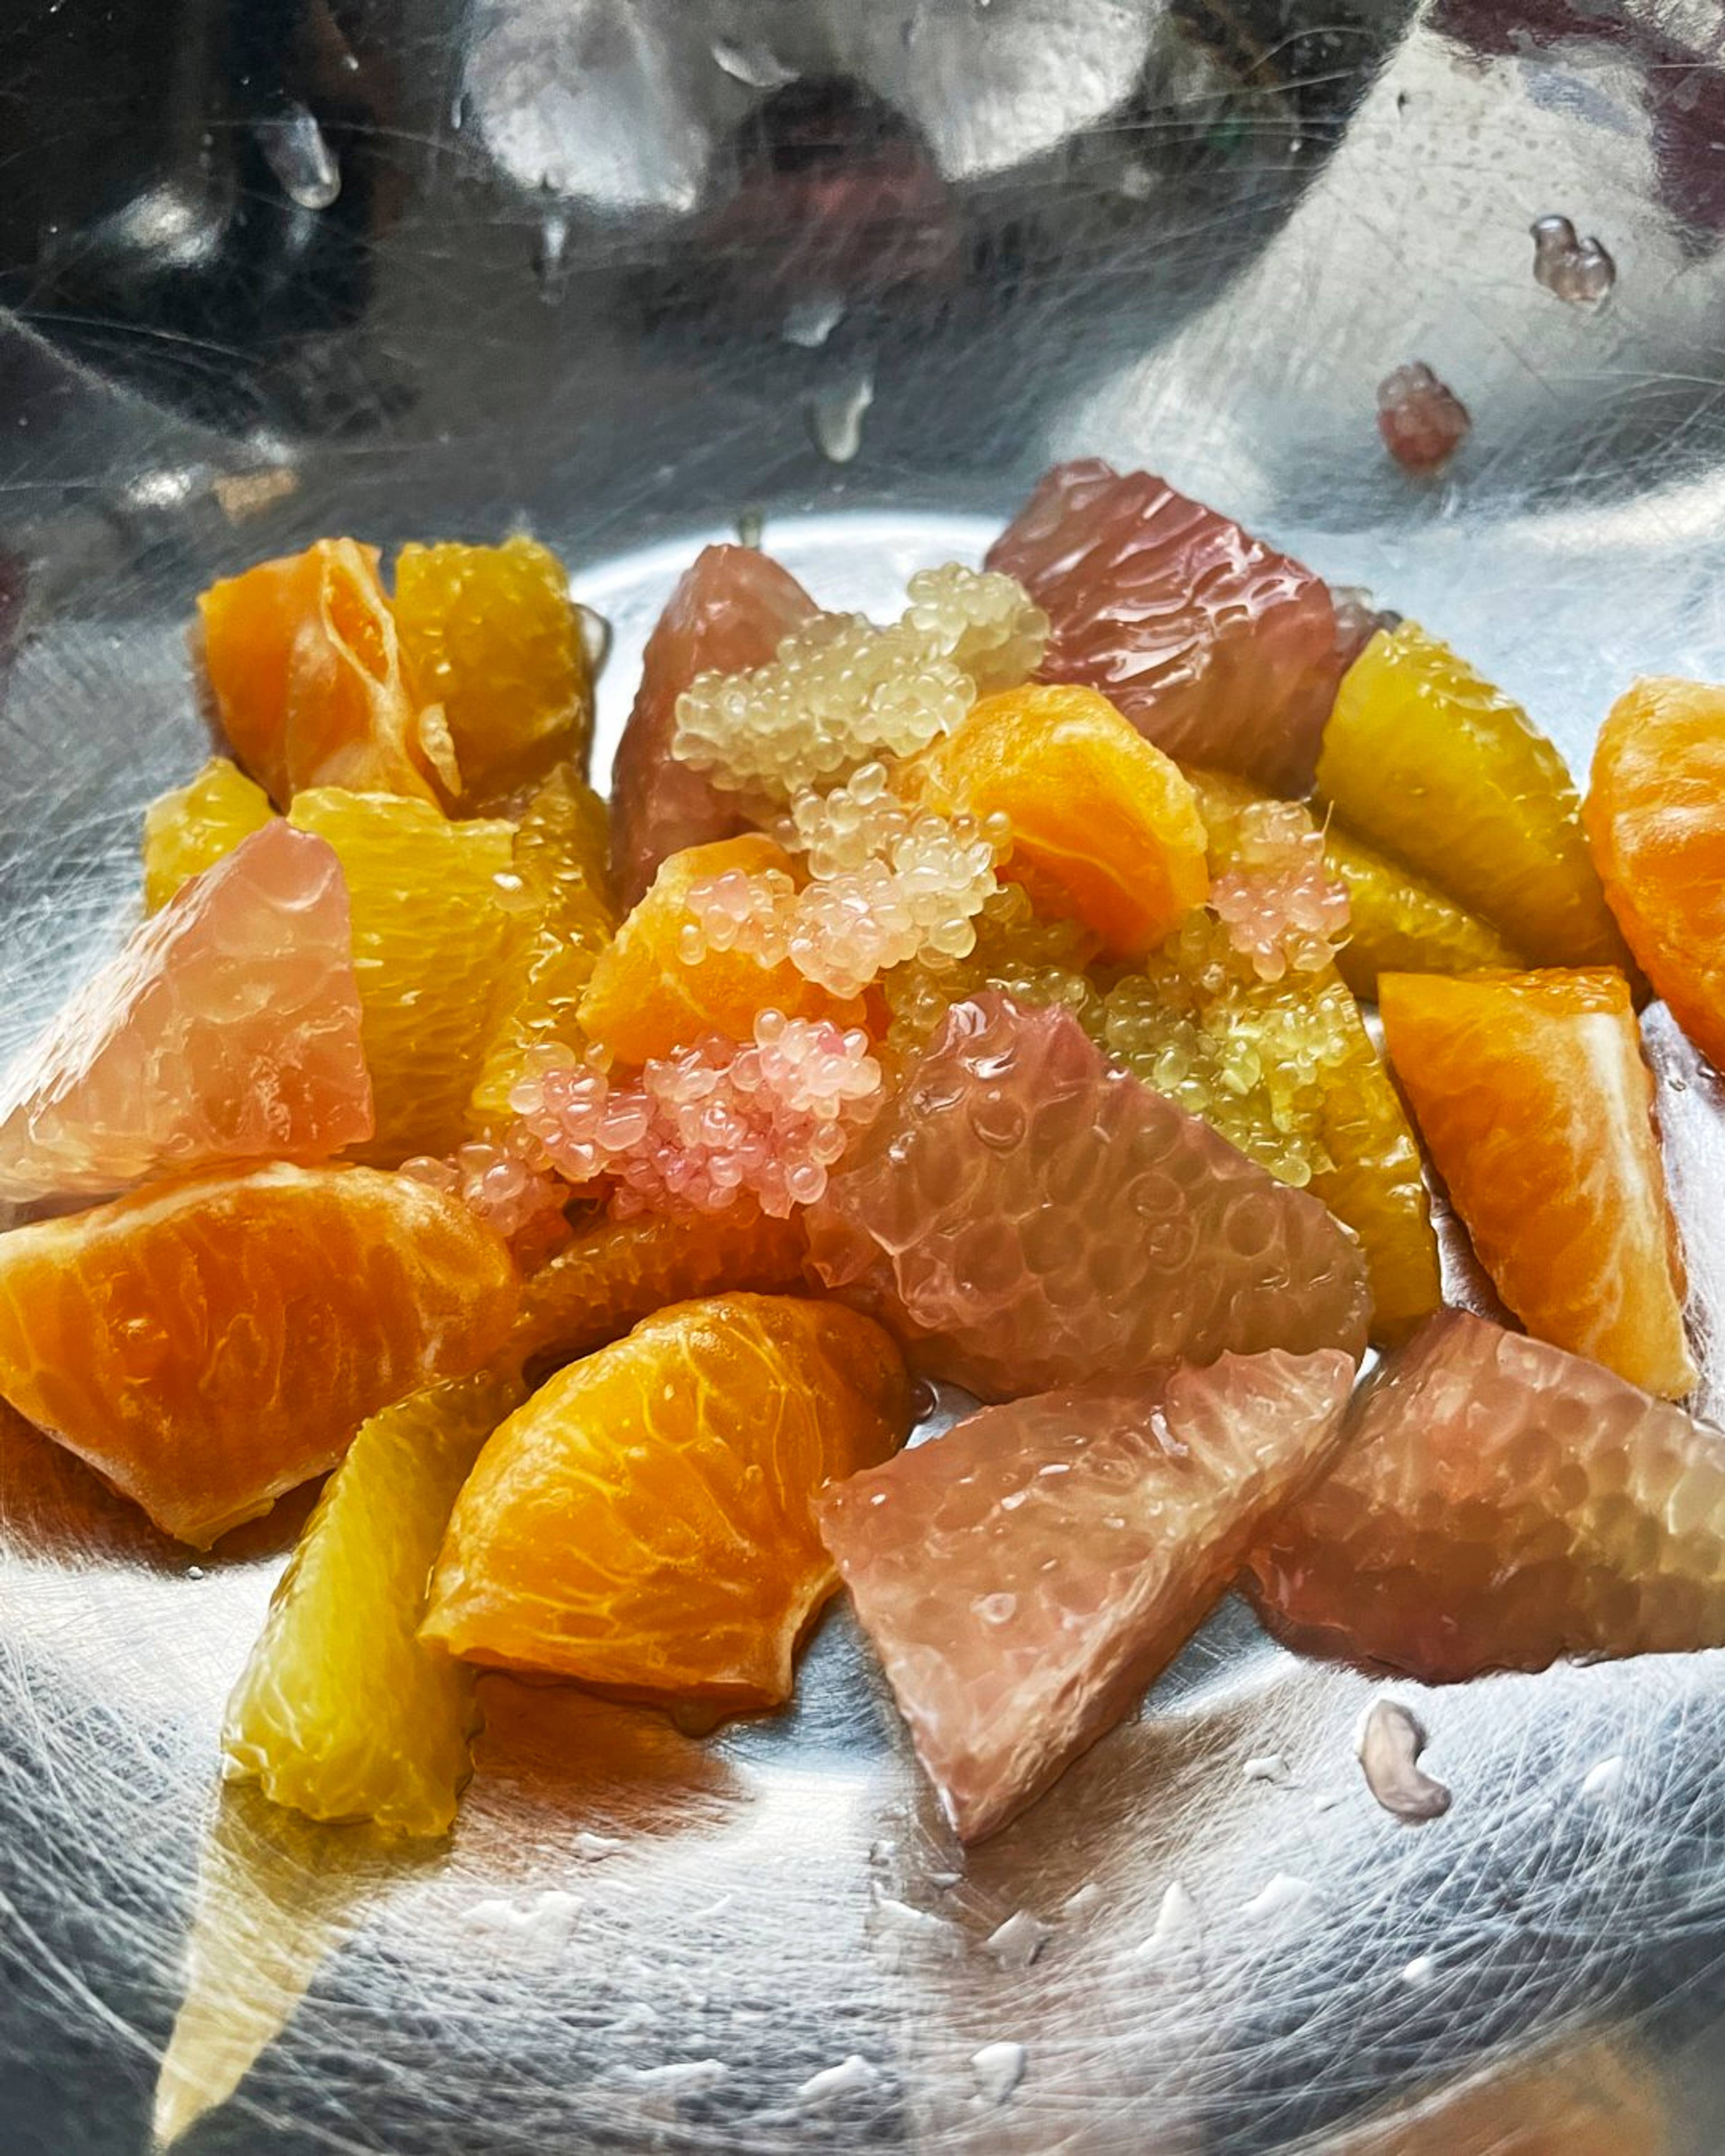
617,1272
1427,760
1530,1093
304,670
1104,829
191,829
341,1712
646,1520
1656,817
209,1343
644,999
491,635
431,924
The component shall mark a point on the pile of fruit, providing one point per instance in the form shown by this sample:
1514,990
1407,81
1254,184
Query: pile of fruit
579,1185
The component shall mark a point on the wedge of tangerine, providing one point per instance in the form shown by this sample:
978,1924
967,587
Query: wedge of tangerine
1025,1576
732,609
303,668
646,1000
1400,921
1426,759
614,1273
436,906
646,1521
1497,1504
341,1711
228,1029
209,1343
490,635
191,829
1655,820
1537,1109
1106,830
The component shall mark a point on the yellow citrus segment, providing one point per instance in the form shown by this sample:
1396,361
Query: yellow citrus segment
1400,922
1424,758
490,635
342,1712
561,857
646,1520
196,825
431,923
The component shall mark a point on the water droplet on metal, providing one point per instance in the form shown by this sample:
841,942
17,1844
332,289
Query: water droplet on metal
756,64
1419,1972
549,240
294,150
1579,271
1016,1944
1604,1780
1177,1933
836,413
751,524
1284,1895
595,638
1389,1743
810,322
1267,1767
999,2068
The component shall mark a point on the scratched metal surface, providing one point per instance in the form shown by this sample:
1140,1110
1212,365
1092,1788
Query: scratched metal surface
618,271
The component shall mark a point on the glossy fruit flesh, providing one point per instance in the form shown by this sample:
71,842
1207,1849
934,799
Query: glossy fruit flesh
228,1029
1531,1094
206,1344
1025,1576
1033,959
616,1272
195,826
342,1712
1105,830
431,923
489,633
1429,762
1401,922
1216,647
728,614
646,1520
1497,1504
646,1000
304,671
1655,819
1026,1216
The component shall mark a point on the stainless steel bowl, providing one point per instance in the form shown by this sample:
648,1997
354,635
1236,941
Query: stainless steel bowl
629,274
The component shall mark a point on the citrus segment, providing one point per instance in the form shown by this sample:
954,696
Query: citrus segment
560,856
616,1272
431,923
208,1343
1105,829
1024,1577
1656,817
728,614
304,671
490,635
1214,645
1533,1097
1033,959
646,1000
1498,1503
341,1712
646,1520
228,1029
1400,922
191,829
1427,760
1024,1216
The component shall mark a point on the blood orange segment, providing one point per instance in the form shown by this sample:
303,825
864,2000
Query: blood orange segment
1025,1215
646,1520
1105,829
432,920
192,828
208,1343
341,1712
1401,922
490,635
645,999
304,670
1533,1097
728,614
1426,759
1026,1575
1218,647
1497,1504
1655,819
228,1029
